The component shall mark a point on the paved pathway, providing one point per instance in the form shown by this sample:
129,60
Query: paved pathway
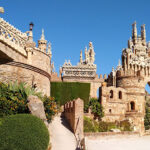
135,143
61,137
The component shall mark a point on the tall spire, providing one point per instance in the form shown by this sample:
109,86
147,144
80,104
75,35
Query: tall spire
86,55
42,36
134,33
143,34
42,43
81,58
130,43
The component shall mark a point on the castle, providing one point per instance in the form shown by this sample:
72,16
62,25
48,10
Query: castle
21,60
122,94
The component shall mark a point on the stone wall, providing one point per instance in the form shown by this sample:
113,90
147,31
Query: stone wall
114,102
73,112
23,73
105,135
33,69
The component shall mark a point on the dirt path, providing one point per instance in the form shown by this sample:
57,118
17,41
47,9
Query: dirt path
61,137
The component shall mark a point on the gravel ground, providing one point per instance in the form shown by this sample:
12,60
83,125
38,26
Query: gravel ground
129,143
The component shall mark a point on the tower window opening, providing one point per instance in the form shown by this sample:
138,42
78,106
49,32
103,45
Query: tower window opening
132,104
111,94
110,111
120,95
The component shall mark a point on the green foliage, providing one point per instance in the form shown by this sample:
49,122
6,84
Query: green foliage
100,126
147,112
106,126
13,98
66,91
125,126
51,107
95,107
147,118
90,125
23,132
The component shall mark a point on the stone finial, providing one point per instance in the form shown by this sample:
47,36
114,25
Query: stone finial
119,62
86,55
105,76
49,51
90,45
1,10
42,36
134,33
130,43
101,76
81,58
60,71
52,67
143,34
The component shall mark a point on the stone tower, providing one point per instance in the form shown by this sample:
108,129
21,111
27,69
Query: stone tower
134,76
42,43
124,96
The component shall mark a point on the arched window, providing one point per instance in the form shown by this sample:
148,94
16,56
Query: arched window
111,94
110,111
132,106
120,95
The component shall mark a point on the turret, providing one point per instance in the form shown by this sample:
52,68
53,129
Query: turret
42,43
143,34
49,51
134,33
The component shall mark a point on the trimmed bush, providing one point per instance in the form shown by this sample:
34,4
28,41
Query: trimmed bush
66,91
23,132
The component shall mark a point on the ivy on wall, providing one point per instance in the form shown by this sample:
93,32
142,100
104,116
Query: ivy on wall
66,91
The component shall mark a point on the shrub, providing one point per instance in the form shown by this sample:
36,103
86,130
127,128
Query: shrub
13,98
66,91
125,125
51,107
95,107
106,126
90,125
23,132
147,117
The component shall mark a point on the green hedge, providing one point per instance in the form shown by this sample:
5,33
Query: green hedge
23,132
66,91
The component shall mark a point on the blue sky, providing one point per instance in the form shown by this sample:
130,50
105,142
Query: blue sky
70,24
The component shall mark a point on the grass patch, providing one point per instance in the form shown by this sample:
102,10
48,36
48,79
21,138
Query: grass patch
23,132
